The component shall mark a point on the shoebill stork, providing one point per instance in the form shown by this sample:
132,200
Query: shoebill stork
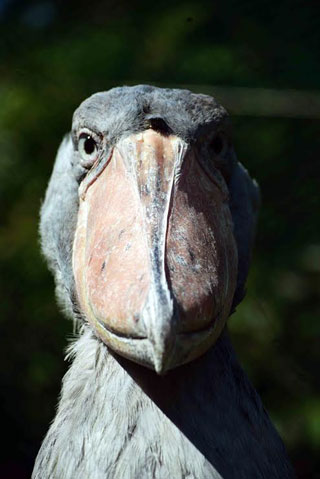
147,225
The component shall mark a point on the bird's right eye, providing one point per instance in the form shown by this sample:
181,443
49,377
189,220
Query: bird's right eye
88,149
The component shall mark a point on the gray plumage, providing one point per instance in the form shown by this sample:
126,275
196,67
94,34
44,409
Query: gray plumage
117,419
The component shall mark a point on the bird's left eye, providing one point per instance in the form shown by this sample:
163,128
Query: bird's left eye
88,150
219,144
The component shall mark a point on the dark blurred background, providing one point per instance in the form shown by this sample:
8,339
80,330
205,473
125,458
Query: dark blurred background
261,60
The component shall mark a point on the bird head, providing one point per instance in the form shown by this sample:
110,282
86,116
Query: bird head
148,222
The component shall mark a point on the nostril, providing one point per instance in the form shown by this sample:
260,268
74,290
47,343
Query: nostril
159,125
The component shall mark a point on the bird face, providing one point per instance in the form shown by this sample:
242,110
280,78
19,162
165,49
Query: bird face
154,255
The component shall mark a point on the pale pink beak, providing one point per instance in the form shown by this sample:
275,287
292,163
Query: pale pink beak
154,258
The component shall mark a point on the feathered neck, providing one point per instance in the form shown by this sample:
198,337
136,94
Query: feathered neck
119,420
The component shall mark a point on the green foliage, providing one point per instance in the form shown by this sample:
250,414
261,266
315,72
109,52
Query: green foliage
48,65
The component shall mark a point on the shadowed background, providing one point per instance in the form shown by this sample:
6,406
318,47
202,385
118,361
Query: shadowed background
261,60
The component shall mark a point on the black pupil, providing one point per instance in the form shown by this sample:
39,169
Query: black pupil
89,145
217,144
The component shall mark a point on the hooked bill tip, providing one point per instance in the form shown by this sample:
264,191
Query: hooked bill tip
163,352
